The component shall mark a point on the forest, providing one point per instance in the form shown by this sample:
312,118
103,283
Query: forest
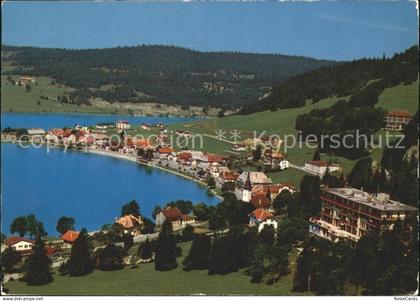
364,79
163,74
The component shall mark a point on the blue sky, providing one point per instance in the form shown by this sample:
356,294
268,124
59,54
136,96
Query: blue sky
329,30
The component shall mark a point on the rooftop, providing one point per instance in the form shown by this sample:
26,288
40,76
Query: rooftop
380,201
400,114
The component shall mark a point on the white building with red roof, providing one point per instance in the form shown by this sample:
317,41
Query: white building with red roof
123,125
397,120
19,244
261,218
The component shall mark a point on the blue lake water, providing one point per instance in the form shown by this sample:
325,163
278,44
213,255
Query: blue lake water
90,188
48,121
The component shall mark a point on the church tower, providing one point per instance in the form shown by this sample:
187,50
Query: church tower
246,192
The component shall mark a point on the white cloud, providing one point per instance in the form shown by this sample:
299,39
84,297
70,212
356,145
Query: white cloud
389,27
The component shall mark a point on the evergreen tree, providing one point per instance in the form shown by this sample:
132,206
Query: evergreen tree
198,257
9,259
283,199
188,233
278,263
145,250
316,156
110,258
19,225
81,260
166,253
256,269
222,256
131,208
64,224
309,194
201,211
38,266
127,240
266,236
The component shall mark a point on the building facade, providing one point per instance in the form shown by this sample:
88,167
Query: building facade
349,213
397,120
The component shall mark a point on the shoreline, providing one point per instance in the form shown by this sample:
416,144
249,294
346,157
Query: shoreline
132,158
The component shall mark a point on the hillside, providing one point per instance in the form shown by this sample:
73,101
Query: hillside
159,74
365,79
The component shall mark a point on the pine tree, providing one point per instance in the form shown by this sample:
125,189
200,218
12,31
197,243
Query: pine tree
166,252
198,258
145,250
9,259
316,156
223,258
110,258
38,266
257,267
81,260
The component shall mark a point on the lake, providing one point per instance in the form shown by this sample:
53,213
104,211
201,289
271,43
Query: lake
90,188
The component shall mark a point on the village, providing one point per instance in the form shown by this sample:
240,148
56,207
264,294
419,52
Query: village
346,214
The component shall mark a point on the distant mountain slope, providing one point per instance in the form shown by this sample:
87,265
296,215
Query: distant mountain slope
365,79
163,74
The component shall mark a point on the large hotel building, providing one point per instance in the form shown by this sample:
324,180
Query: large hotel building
348,213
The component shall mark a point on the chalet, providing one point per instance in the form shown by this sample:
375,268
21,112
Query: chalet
123,125
164,152
53,253
226,176
397,120
174,216
26,80
261,218
130,222
319,168
19,244
69,238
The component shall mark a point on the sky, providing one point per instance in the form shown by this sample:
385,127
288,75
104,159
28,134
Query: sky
327,30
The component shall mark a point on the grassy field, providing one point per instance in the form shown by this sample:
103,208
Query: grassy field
291,176
15,99
145,280
402,97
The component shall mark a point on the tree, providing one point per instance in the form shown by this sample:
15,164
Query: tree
148,226
201,211
38,266
81,260
110,258
278,263
131,208
184,206
34,226
291,230
222,256
166,253
309,194
217,219
27,88
266,236
64,224
282,200
188,233
198,257
256,269
316,156
361,174
257,153
127,240
19,225
145,250
156,211
9,259
228,186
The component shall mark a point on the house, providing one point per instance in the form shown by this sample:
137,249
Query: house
184,156
36,132
163,152
273,190
226,176
397,120
26,80
129,222
348,214
319,168
123,125
53,253
255,178
19,244
261,218
104,125
213,158
145,126
260,200
69,237
174,216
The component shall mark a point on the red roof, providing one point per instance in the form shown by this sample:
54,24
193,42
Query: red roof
216,158
171,213
400,114
185,156
186,217
261,214
12,240
259,200
141,143
165,150
51,251
70,236
229,175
